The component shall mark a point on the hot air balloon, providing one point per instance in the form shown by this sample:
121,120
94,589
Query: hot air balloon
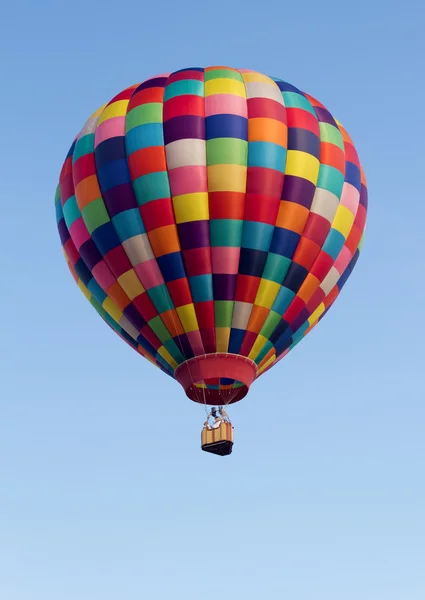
211,216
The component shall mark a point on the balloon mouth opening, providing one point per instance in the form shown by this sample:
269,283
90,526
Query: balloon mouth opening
216,379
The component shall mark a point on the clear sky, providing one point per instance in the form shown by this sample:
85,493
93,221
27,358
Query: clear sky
104,492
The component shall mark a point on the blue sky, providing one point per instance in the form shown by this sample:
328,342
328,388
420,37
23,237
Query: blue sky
104,493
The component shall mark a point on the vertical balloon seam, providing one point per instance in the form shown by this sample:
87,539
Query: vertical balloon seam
73,217
226,154
263,288
82,168
101,212
296,329
178,181
109,151
290,226
151,272
193,344
323,191
184,190
92,291
322,305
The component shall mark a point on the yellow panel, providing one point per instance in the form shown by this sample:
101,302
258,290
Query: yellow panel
85,291
314,316
267,292
116,109
257,347
266,364
162,351
302,164
191,207
225,86
130,283
112,309
343,220
248,77
222,336
227,178
187,316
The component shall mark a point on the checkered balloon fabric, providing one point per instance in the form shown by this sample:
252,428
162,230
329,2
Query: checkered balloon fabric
211,217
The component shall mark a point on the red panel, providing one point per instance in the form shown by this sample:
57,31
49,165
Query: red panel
149,335
316,299
84,167
306,253
145,96
353,239
316,229
333,156
147,160
184,105
208,339
226,205
294,309
248,342
66,187
261,208
157,213
197,261
264,107
246,288
180,291
264,181
351,154
189,74
117,261
322,265
205,314
297,117
145,306
71,252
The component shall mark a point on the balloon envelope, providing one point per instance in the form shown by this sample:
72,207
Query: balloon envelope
211,217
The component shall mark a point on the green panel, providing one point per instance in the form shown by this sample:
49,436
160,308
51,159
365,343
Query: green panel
159,329
95,215
152,186
330,179
222,74
226,232
294,100
184,87
276,267
223,312
85,145
223,151
272,321
146,113
331,135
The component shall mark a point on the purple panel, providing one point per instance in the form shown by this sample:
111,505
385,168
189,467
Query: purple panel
156,82
325,116
184,346
134,316
63,231
300,319
224,287
90,254
299,190
194,234
184,127
119,198
363,196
